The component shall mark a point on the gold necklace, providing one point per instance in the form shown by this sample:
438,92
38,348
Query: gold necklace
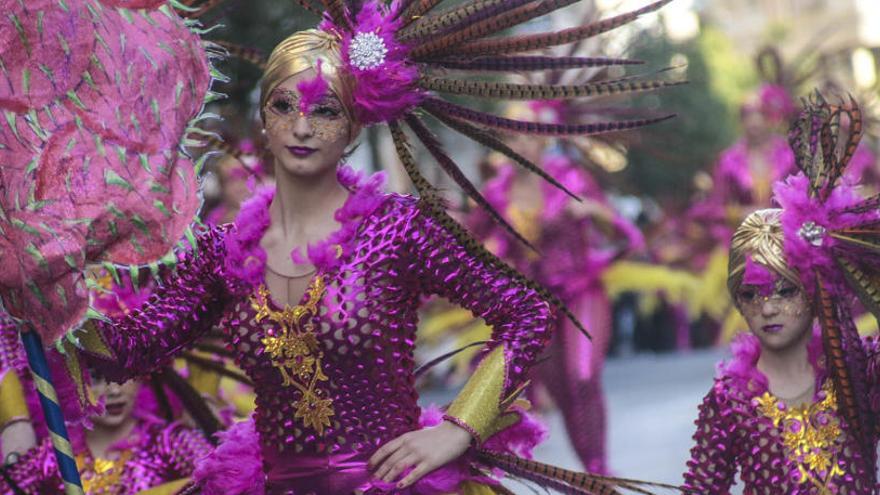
282,275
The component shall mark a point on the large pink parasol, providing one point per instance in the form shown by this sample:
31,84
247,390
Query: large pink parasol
96,99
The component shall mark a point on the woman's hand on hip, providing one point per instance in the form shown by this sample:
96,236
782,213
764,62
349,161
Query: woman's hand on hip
423,450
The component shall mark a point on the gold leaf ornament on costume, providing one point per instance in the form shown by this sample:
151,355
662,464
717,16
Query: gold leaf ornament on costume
293,349
810,434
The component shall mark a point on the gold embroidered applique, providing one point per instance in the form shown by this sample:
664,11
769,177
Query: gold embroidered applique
294,352
101,475
809,435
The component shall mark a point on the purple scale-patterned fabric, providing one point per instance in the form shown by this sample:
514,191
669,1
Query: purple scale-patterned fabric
735,435
159,454
365,326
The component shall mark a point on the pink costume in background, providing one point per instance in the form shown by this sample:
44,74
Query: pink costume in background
738,189
778,449
334,376
154,454
574,252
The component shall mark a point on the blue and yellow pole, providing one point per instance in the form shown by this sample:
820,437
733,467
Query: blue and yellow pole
33,345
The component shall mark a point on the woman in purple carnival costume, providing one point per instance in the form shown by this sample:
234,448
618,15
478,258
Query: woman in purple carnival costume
794,411
126,450
319,280
123,448
576,242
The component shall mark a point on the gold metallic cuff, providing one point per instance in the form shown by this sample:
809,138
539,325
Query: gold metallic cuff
479,404
12,402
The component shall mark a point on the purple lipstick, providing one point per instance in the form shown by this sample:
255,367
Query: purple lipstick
772,328
301,151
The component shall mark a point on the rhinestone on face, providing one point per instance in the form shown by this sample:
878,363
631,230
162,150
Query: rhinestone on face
812,233
367,51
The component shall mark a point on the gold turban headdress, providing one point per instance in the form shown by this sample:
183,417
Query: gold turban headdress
761,238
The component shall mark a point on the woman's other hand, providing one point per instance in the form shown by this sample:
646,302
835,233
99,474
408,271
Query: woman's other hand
423,450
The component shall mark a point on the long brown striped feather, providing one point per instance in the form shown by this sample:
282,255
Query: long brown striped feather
834,353
434,147
526,43
463,12
528,63
853,137
482,137
250,55
828,136
515,91
511,125
866,239
447,43
865,284
336,9
592,483
416,10
433,205
871,203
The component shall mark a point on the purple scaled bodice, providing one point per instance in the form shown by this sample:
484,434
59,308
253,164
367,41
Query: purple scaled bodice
334,375
778,448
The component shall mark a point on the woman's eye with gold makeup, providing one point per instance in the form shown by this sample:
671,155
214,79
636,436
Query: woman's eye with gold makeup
747,295
329,111
788,292
282,104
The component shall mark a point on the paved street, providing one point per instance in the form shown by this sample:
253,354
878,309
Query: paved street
652,402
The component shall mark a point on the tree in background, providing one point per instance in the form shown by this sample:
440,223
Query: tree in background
666,157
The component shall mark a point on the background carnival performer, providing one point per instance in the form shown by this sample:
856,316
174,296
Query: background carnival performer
577,241
790,417
128,449
320,279
135,440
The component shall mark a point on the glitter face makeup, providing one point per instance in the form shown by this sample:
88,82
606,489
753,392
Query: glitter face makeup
783,294
777,310
326,117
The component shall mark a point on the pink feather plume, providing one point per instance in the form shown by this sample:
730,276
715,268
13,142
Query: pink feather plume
312,91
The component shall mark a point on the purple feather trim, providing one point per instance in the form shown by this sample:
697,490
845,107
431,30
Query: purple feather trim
312,91
366,195
390,89
742,367
759,276
245,259
800,211
235,467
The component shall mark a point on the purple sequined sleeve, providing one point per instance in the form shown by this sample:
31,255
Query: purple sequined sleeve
520,318
35,472
182,308
182,448
712,465
872,351
11,351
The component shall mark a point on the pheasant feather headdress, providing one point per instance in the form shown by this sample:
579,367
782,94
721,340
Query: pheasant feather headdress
832,240
401,61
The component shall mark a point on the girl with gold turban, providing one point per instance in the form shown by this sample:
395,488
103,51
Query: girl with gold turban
794,411
319,280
